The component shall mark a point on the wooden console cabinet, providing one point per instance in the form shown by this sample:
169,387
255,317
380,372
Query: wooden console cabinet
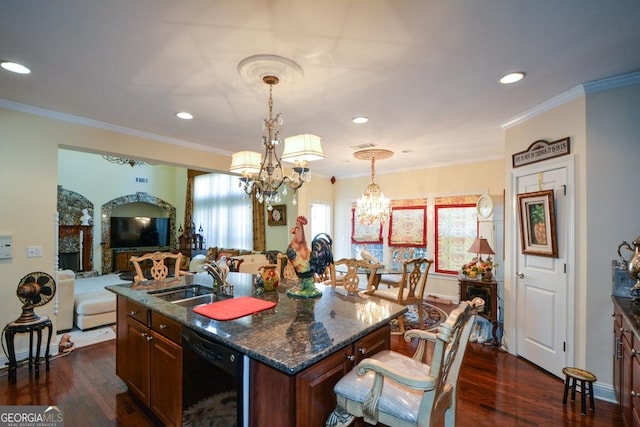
488,291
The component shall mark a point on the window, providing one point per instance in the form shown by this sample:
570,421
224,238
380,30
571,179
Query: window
320,218
456,227
221,207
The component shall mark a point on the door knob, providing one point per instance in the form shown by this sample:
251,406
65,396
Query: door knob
520,275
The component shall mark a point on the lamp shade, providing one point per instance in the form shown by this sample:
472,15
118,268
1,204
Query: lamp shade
481,246
303,147
245,162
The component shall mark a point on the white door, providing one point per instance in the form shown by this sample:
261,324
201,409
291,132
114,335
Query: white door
544,300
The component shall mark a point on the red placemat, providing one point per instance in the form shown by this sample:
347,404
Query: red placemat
233,308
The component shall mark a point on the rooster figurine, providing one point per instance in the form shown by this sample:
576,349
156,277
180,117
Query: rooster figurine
308,261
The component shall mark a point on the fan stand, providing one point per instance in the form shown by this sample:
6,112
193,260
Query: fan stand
28,315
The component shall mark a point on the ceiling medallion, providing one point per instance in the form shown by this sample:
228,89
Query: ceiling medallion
255,68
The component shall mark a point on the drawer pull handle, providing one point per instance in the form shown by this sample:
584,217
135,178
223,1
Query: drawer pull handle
133,312
163,326
143,334
362,350
634,394
149,338
351,357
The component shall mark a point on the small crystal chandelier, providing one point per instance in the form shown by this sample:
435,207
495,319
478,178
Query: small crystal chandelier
265,177
372,206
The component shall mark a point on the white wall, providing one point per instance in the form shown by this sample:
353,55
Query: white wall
612,203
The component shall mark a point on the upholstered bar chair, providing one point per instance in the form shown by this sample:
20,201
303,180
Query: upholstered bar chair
397,390
159,270
350,279
411,289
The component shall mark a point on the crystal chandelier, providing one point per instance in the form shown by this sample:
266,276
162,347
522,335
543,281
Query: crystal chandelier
372,206
265,177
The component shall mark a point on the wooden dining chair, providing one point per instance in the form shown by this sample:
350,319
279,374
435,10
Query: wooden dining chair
411,289
159,269
393,389
397,257
350,279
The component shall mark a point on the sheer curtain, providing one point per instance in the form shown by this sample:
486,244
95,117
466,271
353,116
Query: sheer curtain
220,207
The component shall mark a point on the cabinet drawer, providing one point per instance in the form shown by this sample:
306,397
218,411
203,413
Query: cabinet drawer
166,327
627,332
372,343
138,312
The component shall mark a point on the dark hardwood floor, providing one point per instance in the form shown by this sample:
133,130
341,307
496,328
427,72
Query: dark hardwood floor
495,389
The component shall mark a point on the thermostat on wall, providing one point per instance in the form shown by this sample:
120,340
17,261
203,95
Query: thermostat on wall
6,247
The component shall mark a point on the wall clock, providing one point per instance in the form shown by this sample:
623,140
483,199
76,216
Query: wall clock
484,207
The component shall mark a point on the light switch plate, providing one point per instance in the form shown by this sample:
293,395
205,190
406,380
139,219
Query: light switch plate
6,247
34,251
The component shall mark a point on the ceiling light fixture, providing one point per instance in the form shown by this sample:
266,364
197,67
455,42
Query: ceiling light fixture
126,161
184,115
14,67
372,206
512,77
265,177
360,120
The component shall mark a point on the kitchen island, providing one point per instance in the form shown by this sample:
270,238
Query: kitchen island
295,352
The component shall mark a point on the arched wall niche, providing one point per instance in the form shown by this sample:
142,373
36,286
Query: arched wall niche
135,202
75,240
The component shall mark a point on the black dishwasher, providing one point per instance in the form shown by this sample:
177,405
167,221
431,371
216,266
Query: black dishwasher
213,383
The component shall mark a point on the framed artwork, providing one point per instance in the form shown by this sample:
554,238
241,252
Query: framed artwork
363,233
278,216
538,224
408,226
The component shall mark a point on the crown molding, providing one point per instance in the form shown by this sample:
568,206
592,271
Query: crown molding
578,91
70,118
552,103
612,82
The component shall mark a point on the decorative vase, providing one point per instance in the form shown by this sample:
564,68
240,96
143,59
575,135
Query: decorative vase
633,265
270,277
487,276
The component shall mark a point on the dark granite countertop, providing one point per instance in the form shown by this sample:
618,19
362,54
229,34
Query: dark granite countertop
293,335
630,310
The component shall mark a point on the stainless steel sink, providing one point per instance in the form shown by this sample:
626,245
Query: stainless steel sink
189,296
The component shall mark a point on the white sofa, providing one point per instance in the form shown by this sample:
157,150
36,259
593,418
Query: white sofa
65,281
251,262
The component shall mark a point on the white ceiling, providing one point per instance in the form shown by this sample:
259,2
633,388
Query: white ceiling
424,71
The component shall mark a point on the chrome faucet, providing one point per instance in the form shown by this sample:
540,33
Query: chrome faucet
220,286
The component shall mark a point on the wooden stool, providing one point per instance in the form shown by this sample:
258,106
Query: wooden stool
573,375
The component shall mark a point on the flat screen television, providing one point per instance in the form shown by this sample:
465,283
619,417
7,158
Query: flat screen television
137,232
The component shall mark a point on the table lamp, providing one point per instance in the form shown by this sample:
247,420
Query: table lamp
481,247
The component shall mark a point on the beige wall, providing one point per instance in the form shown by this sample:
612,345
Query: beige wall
457,179
603,128
28,168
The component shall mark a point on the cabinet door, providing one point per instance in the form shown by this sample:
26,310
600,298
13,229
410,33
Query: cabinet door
165,369
137,364
626,373
314,388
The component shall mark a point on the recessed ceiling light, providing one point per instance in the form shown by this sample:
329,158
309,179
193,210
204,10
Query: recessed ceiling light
360,120
184,115
512,77
14,67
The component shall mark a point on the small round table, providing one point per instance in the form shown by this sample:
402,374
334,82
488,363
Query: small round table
13,328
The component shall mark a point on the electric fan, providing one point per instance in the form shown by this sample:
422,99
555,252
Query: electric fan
35,289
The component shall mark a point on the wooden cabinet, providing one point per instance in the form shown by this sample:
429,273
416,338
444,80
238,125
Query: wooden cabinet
149,359
488,291
312,389
626,368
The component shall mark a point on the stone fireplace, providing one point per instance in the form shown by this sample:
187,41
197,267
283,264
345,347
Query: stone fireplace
107,211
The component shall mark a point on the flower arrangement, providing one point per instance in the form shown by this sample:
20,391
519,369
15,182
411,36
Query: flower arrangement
477,266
